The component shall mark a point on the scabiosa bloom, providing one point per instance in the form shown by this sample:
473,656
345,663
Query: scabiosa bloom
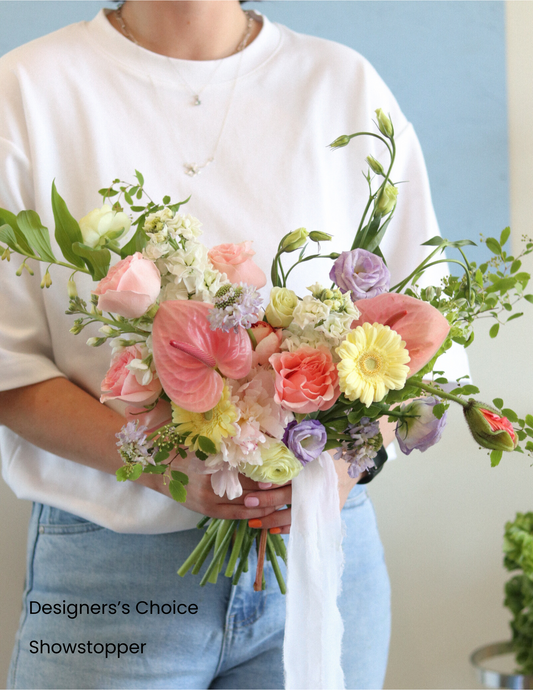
360,452
132,444
235,305
306,439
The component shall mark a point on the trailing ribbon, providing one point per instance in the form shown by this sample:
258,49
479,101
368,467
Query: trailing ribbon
313,627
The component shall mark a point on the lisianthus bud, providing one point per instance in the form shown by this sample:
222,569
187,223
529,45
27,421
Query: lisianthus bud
294,240
96,342
375,165
387,199
317,236
339,142
489,428
384,123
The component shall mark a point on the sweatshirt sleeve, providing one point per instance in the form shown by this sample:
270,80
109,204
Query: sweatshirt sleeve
26,354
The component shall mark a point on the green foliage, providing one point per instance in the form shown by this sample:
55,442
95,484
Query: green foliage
35,234
518,550
97,260
177,491
207,445
67,229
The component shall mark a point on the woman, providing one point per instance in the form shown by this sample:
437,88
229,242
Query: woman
224,106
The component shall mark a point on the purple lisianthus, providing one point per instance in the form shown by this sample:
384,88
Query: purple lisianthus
306,439
423,429
362,273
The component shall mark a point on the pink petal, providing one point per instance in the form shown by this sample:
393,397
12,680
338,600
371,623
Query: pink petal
423,327
187,379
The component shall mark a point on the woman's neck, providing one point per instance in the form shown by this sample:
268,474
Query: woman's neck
185,29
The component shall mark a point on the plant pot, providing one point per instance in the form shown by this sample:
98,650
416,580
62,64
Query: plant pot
495,679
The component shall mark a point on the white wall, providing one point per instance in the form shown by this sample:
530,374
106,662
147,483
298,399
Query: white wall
441,513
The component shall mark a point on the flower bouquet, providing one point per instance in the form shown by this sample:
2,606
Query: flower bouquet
265,393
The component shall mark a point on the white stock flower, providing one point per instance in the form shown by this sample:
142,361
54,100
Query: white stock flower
309,312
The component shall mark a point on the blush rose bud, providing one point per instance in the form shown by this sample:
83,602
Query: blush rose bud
375,165
384,124
489,428
294,240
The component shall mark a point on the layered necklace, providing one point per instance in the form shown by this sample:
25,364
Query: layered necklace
193,169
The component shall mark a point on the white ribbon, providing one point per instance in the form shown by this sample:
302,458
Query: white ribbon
313,627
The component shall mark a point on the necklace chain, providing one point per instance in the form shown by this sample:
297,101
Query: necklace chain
194,169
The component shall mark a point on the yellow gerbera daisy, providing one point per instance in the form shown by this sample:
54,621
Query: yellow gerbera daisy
372,363
214,424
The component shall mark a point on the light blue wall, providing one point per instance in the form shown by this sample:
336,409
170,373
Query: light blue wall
445,62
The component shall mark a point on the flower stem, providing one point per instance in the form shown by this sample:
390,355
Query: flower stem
200,547
258,584
237,546
440,393
275,564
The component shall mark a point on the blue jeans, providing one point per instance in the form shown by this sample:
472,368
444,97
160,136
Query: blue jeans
158,630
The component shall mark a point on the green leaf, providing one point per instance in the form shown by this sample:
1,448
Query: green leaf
155,469
107,192
166,200
180,477
435,242
469,389
502,284
494,330
498,402
504,236
36,234
479,278
493,245
136,244
67,229
529,298
123,473
495,457
11,220
136,472
97,260
462,243
515,266
161,455
140,177
8,237
529,420
177,491
207,445
515,316
439,410
201,456
510,414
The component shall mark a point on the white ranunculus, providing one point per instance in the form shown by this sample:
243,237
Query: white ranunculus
103,223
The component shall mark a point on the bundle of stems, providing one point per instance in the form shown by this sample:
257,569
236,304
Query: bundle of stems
221,536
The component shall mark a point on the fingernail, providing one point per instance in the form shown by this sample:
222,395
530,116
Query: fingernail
264,485
255,523
275,530
251,501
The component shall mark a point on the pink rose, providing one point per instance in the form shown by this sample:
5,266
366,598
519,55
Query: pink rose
268,342
122,384
130,288
235,260
306,380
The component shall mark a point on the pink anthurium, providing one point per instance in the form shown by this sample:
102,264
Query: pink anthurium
190,357
423,327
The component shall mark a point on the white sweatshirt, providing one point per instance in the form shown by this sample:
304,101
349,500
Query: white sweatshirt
84,106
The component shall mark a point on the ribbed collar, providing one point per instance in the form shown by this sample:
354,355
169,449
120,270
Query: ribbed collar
165,70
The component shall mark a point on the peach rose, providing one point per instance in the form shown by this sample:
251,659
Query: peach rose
130,288
120,383
268,342
306,379
235,260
